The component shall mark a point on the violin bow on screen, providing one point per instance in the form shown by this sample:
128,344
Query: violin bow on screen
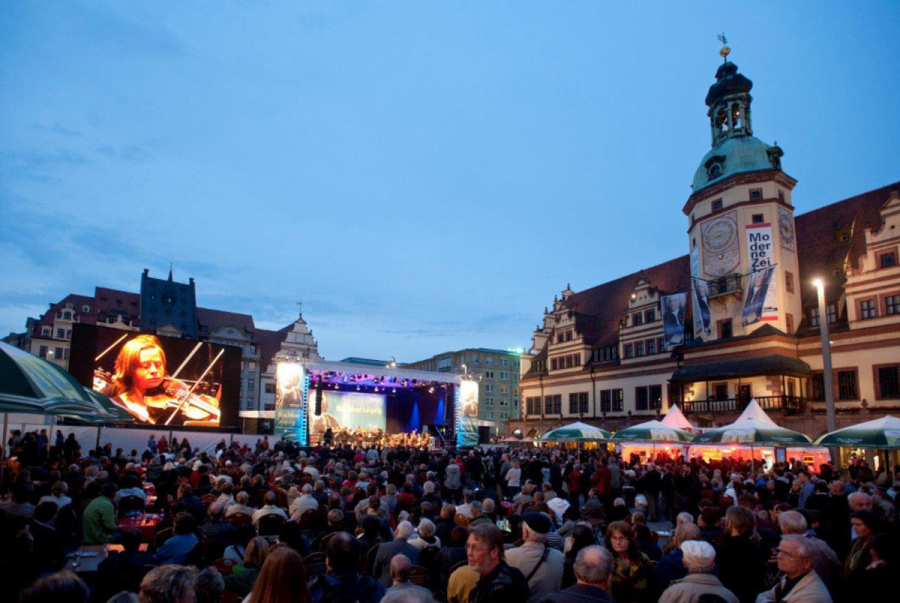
107,350
186,360
184,399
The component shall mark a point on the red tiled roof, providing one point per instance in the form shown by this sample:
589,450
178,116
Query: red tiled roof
269,343
106,300
599,309
77,301
214,319
819,250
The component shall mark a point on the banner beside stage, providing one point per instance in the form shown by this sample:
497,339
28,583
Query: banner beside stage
467,414
291,398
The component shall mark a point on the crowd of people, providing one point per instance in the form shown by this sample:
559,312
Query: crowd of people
407,524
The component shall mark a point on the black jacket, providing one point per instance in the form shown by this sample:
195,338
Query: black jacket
504,583
578,593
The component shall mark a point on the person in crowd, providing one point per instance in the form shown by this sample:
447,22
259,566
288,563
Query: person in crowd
592,506
218,532
632,570
426,536
177,548
497,580
241,505
60,587
865,525
99,518
244,576
880,576
741,558
386,551
58,494
282,578
210,586
269,508
303,503
644,538
343,582
580,537
169,584
792,522
541,565
671,566
699,559
124,570
400,572
593,572
799,582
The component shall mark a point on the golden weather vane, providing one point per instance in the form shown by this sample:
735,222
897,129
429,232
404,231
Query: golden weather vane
725,50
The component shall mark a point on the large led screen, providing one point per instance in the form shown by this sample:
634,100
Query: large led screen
160,380
346,410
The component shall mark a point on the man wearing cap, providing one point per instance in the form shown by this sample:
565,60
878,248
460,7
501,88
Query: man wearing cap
541,565
699,558
593,570
800,582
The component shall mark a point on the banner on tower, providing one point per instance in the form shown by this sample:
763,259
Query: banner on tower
700,296
760,301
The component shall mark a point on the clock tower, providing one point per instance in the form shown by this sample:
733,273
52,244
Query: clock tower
743,247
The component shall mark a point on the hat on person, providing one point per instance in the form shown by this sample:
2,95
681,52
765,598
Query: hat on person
537,522
698,552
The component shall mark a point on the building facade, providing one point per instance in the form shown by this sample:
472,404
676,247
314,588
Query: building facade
497,373
744,322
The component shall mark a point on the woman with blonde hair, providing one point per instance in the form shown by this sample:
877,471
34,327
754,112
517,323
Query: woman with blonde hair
244,576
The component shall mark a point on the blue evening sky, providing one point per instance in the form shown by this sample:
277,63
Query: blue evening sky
425,176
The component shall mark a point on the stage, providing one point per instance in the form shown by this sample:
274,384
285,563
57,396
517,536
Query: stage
357,403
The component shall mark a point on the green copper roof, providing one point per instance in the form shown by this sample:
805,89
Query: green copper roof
742,154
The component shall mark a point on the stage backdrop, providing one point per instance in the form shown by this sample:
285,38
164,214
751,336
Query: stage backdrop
347,410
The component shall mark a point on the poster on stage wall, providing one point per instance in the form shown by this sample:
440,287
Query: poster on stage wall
760,302
700,296
673,313
467,414
721,245
291,393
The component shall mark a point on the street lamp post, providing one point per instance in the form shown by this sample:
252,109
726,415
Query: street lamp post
827,382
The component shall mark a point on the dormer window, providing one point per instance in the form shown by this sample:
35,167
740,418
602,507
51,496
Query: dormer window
637,319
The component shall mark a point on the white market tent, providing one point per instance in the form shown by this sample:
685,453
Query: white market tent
675,418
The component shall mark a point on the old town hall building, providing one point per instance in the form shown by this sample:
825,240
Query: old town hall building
741,315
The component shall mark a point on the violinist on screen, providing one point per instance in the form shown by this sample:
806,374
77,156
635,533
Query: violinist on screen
141,387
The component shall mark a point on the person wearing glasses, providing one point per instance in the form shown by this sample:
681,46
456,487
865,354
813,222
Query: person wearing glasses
799,583
497,580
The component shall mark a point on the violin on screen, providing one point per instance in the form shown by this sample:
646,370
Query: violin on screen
196,409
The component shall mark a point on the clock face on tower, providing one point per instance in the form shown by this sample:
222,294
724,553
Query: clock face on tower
721,250
786,228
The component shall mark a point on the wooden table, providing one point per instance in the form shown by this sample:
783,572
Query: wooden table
90,556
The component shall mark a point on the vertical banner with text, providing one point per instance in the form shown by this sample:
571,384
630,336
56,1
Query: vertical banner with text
467,413
291,396
700,296
760,301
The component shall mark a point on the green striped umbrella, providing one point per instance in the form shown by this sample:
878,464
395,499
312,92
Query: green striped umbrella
32,385
576,432
752,432
883,433
653,431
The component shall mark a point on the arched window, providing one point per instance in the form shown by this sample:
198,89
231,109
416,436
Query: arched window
737,120
722,121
